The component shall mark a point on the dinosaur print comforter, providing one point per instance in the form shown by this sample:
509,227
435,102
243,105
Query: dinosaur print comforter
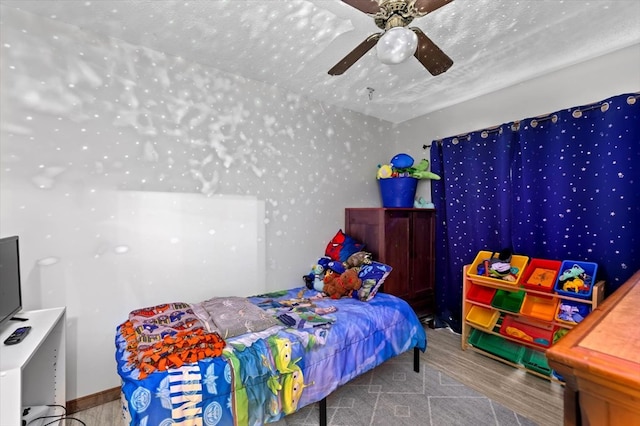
313,347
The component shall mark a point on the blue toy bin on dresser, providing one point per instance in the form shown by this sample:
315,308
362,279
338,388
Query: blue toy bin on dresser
398,191
571,281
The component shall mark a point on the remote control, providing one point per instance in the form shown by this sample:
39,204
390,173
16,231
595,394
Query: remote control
17,335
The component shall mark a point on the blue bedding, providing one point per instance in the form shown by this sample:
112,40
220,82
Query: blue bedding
261,377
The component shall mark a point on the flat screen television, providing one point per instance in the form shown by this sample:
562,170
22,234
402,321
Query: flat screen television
10,291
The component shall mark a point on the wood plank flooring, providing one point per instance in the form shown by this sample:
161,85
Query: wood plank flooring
535,398
531,396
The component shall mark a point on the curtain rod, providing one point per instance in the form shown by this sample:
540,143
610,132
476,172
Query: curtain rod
515,126
484,134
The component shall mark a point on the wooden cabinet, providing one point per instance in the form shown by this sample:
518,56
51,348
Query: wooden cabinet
600,361
517,352
404,240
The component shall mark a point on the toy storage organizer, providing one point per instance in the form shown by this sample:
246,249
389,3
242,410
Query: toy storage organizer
515,322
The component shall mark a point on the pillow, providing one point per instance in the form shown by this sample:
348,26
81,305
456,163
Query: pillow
233,316
342,246
372,277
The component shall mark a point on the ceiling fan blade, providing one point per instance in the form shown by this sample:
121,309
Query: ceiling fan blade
427,6
430,55
366,6
355,54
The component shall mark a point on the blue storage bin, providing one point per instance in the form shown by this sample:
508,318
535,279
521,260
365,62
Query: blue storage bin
576,279
398,191
571,312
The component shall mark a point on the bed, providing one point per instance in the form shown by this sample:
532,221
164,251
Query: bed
254,360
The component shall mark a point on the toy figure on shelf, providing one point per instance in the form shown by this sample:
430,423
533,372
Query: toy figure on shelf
574,272
499,267
575,280
421,203
572,312
384,171
573,285
402,165
421,171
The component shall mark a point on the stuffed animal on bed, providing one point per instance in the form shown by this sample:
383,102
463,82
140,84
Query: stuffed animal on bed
356,260
318,277
314,279
338,285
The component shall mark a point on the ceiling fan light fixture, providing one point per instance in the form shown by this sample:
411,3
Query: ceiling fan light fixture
396,45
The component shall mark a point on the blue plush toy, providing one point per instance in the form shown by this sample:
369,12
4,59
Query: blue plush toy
318,276
402,161
314,280
421,203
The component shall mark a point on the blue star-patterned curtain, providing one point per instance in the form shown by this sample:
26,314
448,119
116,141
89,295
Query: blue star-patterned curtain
564,186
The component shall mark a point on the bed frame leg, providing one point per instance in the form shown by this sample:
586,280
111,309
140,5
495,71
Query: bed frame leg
323,412
323,402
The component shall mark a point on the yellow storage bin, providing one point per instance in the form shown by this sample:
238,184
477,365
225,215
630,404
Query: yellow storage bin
483,317
517,261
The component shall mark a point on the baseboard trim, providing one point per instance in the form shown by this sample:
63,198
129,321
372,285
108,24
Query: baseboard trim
93,400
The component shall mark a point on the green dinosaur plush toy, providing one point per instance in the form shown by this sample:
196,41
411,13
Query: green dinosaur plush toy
421,171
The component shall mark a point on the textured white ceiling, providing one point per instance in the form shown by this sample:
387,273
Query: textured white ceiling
293,43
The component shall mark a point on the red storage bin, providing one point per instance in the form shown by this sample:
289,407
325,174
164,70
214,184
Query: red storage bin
526,331
541,274
481,294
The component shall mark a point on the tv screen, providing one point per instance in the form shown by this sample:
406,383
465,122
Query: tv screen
10,294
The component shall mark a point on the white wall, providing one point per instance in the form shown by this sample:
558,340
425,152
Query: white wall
134,178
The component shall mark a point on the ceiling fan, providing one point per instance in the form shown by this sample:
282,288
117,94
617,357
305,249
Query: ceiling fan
389,15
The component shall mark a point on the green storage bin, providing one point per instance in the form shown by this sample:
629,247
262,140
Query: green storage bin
536,361
498,326
496,345
508,300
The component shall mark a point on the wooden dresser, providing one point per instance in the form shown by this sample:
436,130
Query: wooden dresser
403,239
600,361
